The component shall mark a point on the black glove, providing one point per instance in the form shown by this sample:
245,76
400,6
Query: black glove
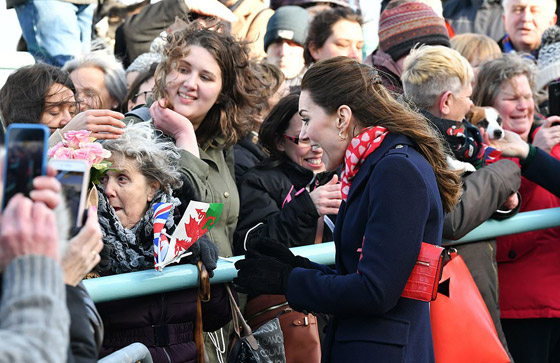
206,251
264,275
266,247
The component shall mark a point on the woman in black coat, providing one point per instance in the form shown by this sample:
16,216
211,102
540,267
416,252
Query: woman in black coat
288,197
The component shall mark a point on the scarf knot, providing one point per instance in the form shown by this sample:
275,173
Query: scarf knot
359,149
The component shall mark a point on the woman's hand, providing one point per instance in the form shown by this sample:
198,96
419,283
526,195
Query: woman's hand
327,198
548,136
175,125
83,250
512,145
103,124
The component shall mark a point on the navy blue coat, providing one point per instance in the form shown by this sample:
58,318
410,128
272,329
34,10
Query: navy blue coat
394,202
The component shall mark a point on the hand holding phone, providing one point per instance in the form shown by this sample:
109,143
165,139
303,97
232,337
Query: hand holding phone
26,158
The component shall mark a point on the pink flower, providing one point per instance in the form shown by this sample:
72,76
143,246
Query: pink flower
53,149
98,152
62,153
77,138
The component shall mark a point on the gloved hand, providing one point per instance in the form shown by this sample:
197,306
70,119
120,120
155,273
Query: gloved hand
262,246
265,275
206,251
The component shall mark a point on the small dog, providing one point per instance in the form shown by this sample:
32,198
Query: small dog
489,119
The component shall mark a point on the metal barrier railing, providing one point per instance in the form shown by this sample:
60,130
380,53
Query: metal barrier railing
135,352
184,276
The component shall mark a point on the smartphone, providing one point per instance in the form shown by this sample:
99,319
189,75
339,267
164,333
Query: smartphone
554,99
26,158
73,175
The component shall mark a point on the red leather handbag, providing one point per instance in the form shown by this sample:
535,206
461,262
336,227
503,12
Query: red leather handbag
424,279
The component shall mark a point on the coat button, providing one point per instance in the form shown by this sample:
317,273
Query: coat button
512,254
399,146
226,195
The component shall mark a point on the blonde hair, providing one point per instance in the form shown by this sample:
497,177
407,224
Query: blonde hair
430,70
474,46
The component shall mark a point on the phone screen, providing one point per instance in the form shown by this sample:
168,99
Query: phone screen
72,182
25,159
554,99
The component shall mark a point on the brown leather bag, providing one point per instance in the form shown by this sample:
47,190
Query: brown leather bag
301,332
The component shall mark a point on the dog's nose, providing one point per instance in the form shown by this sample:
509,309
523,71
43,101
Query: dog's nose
498,134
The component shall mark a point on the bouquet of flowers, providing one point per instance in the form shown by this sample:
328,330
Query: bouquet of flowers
80,145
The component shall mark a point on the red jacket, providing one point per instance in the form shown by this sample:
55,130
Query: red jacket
529,263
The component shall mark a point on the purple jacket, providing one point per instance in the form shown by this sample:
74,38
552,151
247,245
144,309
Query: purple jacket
162,322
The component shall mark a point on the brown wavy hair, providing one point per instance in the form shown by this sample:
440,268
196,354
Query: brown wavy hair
339,81
228,117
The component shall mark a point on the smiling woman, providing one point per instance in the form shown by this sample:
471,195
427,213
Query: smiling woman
204,94
395,187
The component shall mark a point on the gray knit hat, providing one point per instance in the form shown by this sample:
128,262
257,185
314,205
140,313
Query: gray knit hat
548,63
288,22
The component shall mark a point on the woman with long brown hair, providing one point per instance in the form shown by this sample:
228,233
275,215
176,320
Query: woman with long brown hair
396,185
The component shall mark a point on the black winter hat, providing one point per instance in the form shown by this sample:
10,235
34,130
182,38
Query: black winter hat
288,22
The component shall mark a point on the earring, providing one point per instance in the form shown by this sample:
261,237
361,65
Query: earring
341,136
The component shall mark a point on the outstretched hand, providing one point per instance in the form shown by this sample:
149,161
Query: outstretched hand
267,247
103,124
327,198
265,275
511,145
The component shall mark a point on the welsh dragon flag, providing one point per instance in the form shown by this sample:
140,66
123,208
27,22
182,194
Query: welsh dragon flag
198,219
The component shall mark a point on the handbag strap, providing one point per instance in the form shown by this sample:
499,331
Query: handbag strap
242,329
202,295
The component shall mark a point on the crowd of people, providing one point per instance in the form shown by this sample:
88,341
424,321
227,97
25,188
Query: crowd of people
283,114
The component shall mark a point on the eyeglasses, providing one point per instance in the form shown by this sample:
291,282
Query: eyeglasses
145,93
293,139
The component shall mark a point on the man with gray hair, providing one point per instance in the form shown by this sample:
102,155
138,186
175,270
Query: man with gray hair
437,80
524,22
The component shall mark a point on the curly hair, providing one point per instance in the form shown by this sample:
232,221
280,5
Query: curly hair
23,96
228,117
339,81
155,156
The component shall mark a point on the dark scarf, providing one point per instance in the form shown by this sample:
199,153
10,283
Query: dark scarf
128,250
464,140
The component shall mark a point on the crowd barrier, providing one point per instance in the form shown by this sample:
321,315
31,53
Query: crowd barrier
184,276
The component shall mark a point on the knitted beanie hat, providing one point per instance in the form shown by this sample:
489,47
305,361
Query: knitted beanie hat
548,64
406,25
288,22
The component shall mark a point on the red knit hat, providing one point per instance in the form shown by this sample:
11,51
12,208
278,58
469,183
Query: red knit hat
406,25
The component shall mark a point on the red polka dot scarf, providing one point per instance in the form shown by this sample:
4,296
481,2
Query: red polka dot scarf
359,149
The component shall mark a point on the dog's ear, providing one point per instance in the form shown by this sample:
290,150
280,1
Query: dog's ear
470,114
